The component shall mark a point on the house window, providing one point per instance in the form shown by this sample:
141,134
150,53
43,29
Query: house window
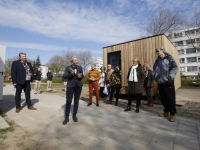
182,60
179,43
177,35
190,50
190,41
181,52
182,69
189,32
191,59
192,68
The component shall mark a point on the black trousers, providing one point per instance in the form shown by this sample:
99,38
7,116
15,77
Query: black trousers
113,88
27,88
76,91
101,92
167,96
148,91
137,97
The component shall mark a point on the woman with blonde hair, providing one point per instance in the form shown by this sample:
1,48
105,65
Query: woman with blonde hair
135,80
148,83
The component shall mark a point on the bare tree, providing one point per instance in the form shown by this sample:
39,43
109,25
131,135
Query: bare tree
85,59
193,34
67,54
56,64
164,21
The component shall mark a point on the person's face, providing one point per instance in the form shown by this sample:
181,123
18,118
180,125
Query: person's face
102,69
39,69
93,67
49,70
116,69
23,57
159,52
135,61
144,67
109,66
75,62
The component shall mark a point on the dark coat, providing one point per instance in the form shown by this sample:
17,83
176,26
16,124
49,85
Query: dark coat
136,87
73,81
18,72
63,79
150,78
38,75
49,76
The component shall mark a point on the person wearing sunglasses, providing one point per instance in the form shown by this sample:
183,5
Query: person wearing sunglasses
165,69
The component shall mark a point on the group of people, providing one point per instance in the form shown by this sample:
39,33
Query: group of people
164,71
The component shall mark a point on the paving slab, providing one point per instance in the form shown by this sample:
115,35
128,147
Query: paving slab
99,128
3,123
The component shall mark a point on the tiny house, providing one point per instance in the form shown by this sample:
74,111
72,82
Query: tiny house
122,55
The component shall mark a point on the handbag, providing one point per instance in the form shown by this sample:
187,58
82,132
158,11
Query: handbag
105,91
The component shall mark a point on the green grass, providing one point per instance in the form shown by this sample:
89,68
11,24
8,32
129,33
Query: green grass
189,87
9,129
4,85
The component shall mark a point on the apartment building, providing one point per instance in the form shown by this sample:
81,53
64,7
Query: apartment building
99,62
187,43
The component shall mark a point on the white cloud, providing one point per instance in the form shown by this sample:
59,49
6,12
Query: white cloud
68,21
42,46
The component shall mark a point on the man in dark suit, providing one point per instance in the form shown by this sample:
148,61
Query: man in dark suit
74,74
22,74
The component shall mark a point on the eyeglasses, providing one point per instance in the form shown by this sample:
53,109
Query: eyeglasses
157,51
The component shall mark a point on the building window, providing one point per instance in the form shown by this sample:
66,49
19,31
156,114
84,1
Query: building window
197,31
169,36
199,59
198,40
190,50
181,52
177,35
190,41
182,60
189,32
182,69
191,69
179,43
191,59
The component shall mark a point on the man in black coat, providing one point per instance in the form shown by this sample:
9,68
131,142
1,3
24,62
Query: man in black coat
74,74
37,81
22,74
49,80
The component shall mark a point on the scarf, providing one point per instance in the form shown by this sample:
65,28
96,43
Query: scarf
133,74
109,69
28,71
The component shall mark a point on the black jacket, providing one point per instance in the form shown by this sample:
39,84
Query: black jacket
49,76
18,72
73,81
38,75
63,79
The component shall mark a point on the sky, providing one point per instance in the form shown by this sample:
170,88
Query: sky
47,27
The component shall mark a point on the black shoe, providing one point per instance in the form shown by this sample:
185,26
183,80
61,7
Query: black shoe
74,118
66,120
90,103
109,102
97,104
116,103
137,110
128,109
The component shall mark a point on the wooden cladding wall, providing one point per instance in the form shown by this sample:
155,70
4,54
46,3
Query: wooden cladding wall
145,50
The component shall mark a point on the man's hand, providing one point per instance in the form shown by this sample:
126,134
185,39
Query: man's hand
152,85
72,72
14,84
108,85
79,76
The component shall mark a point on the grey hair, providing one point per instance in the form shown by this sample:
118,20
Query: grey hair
93,64
72,58
147,66
103,67
161,48
109,65
22,53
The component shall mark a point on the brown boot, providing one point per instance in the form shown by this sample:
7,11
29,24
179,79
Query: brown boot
165,114
172,118
32,108
150,104
17,110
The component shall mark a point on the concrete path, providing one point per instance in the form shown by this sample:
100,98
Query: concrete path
3,123
99,128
